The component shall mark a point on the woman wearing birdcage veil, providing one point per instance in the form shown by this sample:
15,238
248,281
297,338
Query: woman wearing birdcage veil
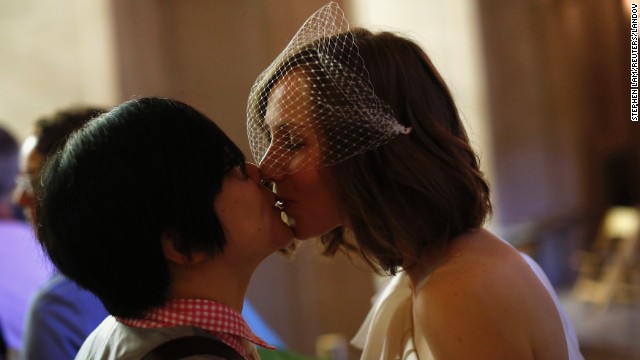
364,147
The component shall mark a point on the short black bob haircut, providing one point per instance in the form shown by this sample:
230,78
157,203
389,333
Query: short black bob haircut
148,167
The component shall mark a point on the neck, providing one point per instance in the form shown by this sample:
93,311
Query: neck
422,268
431,261
212,280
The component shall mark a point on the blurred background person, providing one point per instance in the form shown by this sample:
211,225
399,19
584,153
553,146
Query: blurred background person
23,266
62,314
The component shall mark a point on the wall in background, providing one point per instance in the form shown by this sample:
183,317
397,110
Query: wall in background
54,55
557,73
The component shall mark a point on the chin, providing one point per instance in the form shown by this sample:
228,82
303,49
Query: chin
305,233
308,226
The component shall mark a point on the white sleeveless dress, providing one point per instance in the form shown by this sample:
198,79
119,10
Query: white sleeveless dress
387,331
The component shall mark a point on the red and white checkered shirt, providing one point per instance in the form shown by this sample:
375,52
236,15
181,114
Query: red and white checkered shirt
222,321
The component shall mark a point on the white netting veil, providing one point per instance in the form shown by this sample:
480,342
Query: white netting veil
314,105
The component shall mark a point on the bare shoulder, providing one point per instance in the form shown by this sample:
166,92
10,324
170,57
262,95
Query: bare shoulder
477,263
483,302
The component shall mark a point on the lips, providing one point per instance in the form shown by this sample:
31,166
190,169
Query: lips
286,218
281,203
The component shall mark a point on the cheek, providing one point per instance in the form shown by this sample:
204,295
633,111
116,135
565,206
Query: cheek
325,213
278,161
319,201
308,182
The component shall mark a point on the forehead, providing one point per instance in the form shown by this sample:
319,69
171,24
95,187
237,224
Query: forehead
289,101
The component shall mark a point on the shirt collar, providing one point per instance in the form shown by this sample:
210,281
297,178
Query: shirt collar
222,321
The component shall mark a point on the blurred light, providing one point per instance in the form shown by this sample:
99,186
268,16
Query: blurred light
622,222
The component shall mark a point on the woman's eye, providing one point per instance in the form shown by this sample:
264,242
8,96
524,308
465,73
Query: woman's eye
288,141
294,142
237,170
295,145
243,170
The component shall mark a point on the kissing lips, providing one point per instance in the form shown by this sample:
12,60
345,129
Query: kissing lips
290,221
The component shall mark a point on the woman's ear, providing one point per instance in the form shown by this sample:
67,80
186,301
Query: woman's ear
177,257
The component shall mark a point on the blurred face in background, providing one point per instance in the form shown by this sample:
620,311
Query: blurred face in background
31,162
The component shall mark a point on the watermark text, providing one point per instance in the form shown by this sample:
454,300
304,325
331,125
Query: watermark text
634,62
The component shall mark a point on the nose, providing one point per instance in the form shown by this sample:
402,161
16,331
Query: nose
271,169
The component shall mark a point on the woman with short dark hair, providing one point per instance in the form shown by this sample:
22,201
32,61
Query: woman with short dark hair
153,209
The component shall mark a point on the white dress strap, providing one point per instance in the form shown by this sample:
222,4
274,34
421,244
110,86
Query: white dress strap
387,332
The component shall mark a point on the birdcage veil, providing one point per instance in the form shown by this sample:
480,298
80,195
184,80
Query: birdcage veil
317,92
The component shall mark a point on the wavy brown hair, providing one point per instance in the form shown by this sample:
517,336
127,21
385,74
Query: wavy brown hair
415,193
419,191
